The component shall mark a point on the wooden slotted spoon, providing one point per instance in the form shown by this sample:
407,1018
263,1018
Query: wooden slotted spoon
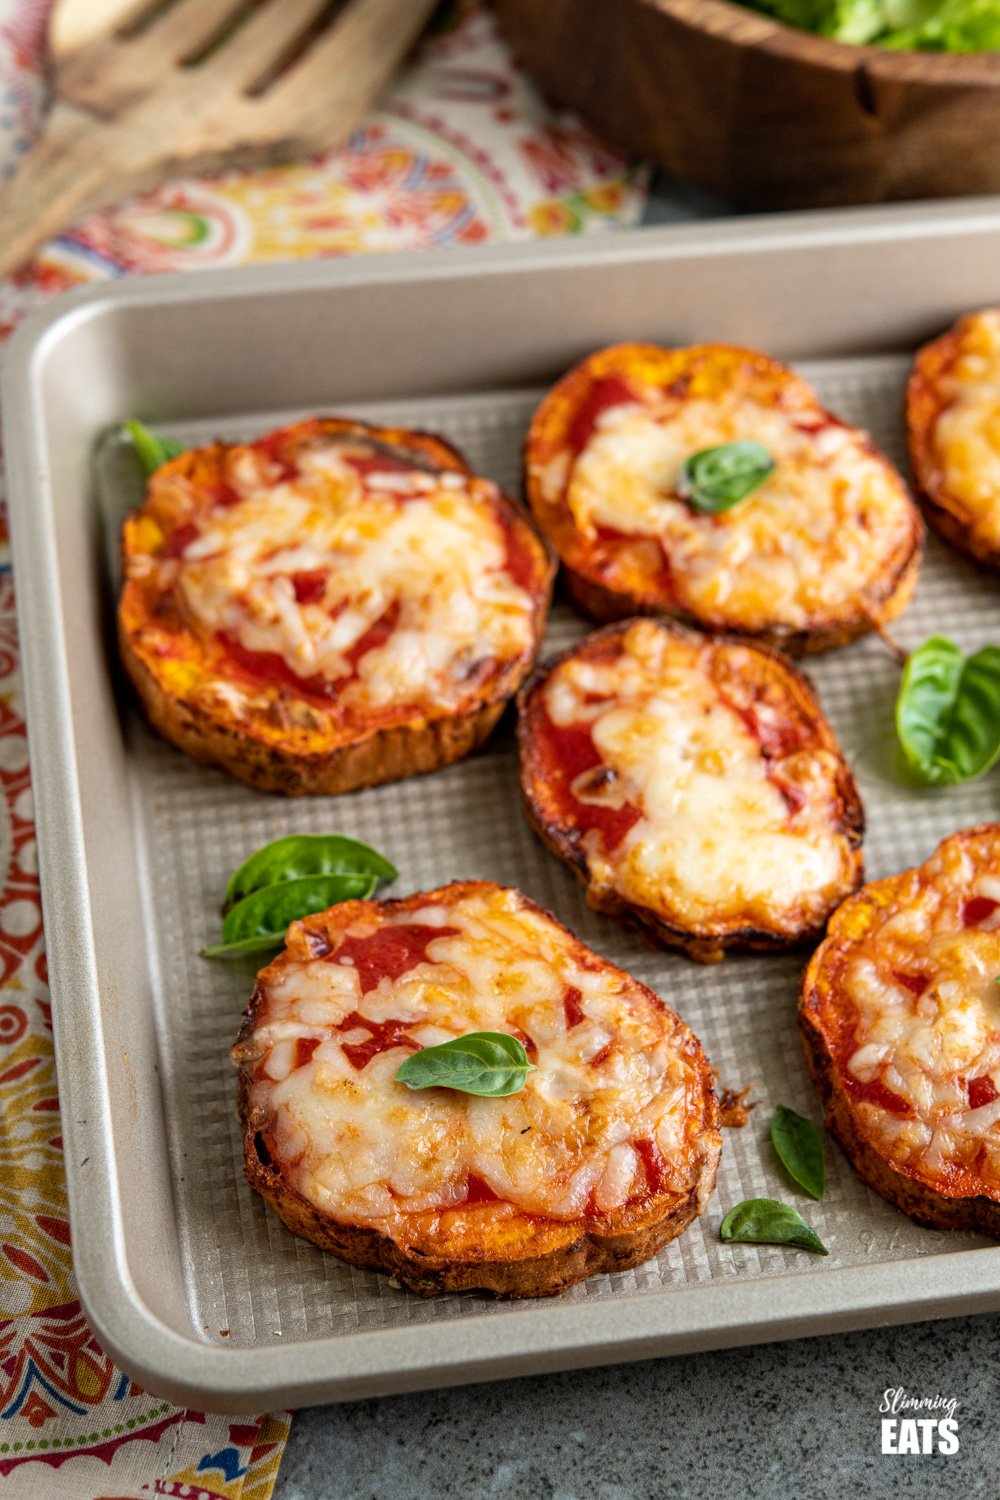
182,86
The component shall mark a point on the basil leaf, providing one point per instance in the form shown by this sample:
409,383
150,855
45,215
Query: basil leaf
260,919
948,712
269,942
799,1145
715,479
765,1221
152,451
488,1063
301,854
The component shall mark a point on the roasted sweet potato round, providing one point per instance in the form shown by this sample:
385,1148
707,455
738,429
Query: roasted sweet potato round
900,1015
953,428
608,1151
693,784
826,548
333,606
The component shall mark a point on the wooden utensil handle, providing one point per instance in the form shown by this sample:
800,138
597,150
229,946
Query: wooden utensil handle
62,175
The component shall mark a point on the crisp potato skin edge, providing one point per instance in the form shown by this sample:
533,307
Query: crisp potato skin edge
570,1252
705,948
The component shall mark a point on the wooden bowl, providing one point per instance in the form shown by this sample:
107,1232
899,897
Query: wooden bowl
768,116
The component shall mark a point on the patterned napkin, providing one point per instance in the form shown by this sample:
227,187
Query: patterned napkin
462,150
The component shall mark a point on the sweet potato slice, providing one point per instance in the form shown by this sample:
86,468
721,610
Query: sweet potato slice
694,786
826,548
900,1017
333,606
605,1155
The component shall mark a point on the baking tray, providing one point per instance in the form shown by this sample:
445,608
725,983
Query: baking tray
189,1281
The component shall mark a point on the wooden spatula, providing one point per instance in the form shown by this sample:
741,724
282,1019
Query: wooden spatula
181,86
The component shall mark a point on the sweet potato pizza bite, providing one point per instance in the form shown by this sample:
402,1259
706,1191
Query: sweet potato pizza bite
900,1014
331,607
825,548
693,784
953,426
608,1151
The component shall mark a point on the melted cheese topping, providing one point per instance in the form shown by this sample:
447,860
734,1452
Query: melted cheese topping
612,1070
919,1015
815,535
422,553
717,841
966,436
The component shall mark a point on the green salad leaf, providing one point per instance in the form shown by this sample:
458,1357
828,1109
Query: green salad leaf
301,854
948,712
765,1221
715,479
488,1063
799,1146
913,25
152,451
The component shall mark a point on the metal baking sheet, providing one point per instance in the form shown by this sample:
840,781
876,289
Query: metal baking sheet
190,1281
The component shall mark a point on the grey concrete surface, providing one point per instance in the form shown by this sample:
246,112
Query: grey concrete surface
793,1421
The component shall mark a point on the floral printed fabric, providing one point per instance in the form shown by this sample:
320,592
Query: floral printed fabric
461,151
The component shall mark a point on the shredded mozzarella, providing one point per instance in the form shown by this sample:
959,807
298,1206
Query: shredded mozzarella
923,1004
815,535
716,840
424,551
368,1150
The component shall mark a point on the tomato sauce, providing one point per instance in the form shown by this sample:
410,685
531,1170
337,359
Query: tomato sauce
982,1091
479,1191
389,952
976,910
382,1036
223,494
376,635
273,448
309,585
875,1092
915,983
611,541
776,740
305,1046
572,1006
657,1172
179,540
520,559
269,668
567,751
601,396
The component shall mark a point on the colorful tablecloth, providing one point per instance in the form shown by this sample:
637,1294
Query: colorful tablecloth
462,150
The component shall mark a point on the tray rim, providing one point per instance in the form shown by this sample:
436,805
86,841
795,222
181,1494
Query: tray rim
529,1337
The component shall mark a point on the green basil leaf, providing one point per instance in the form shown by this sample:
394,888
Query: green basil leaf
152,451
799,1145
948,712
260,919
715,479
765,1221
269,942
489,1063
301,854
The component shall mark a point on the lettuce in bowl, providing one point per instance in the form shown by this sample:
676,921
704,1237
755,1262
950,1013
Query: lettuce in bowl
911,25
